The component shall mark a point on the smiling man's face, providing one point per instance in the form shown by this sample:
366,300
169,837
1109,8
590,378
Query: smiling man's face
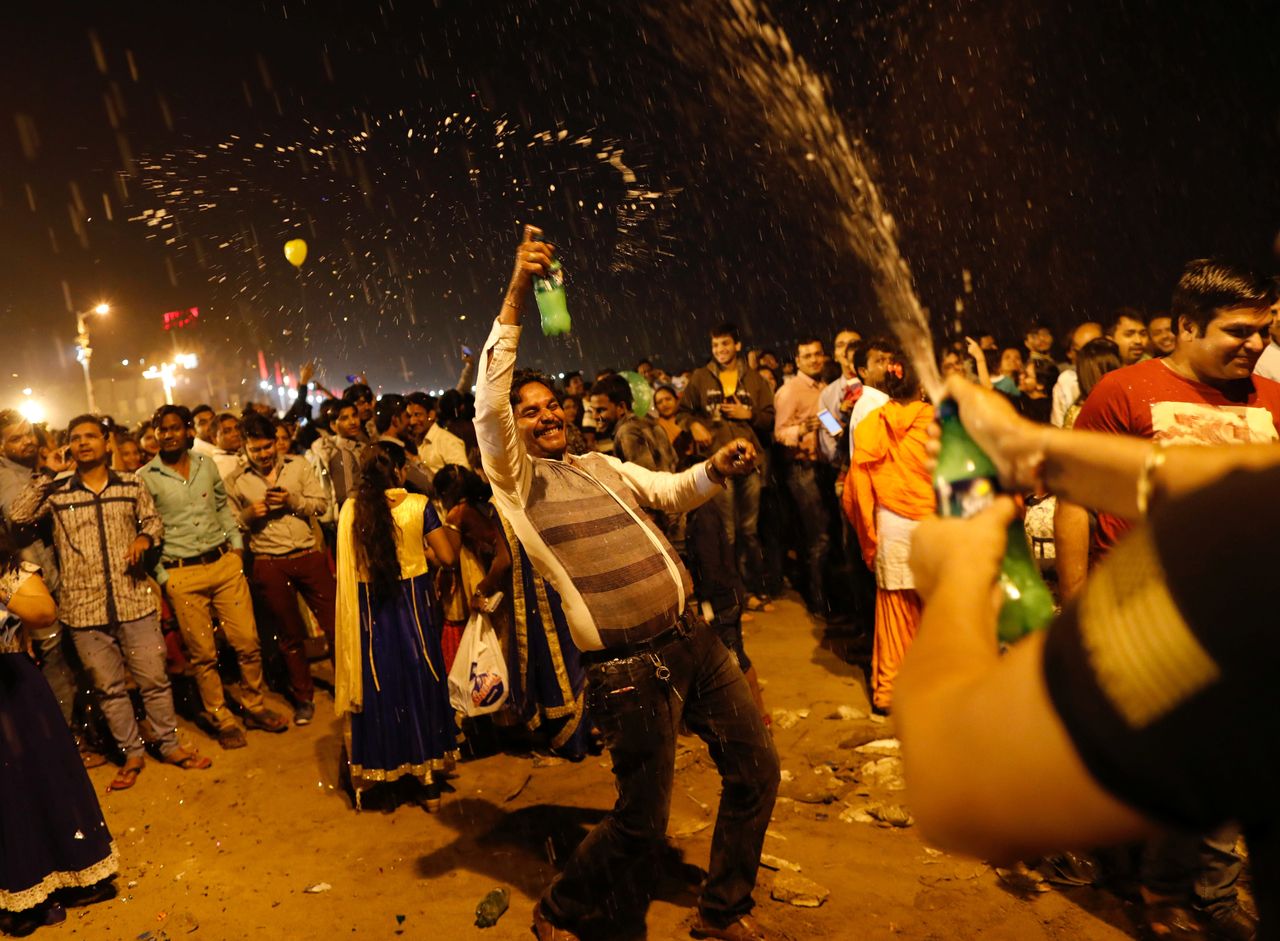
541,421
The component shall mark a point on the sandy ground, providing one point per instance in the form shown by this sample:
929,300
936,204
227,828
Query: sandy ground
228,853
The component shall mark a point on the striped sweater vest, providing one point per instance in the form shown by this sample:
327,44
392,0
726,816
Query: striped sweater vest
622,577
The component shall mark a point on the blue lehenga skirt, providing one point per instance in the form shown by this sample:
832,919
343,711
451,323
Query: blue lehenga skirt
52,835
406,727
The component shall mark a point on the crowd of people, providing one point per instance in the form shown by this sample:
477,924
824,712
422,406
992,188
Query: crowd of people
615,535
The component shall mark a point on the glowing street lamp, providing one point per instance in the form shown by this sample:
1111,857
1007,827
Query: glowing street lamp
30,409
84,352
167,373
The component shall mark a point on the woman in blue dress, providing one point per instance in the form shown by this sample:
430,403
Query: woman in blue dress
391,682
52,835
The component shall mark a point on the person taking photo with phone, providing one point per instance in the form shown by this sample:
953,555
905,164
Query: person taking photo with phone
275,497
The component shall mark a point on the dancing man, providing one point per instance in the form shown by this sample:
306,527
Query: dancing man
652,662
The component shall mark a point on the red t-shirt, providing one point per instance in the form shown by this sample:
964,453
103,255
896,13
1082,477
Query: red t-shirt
1150,400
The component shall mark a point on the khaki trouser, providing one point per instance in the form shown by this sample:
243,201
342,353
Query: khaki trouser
196,592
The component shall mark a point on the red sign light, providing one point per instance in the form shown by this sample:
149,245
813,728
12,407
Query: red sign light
176,319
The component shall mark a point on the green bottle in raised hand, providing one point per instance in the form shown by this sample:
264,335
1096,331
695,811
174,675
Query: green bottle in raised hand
966,482
549,293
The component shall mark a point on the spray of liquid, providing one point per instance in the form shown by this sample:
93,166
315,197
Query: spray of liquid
760,78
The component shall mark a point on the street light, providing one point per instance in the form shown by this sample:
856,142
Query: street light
167,373
84,351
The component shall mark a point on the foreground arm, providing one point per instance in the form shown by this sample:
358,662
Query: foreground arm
30,602
1071,546
990,767
1094,469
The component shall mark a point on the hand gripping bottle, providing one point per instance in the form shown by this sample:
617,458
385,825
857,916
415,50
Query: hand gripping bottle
966,482
549,293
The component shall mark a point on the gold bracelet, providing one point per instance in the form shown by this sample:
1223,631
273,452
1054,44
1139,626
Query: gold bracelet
1146,480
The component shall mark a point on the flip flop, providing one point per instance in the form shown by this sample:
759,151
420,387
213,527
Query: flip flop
127,776
188,760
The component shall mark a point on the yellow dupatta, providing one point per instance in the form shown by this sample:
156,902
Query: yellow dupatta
348,690
406,511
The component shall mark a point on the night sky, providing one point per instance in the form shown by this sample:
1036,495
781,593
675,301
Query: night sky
1070,160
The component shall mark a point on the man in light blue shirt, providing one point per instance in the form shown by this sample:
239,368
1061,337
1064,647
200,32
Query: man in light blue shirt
202,574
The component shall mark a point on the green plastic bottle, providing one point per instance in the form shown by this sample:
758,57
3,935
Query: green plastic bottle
966,482
549,293
492,907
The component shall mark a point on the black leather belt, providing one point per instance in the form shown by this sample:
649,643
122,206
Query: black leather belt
683,628
204,558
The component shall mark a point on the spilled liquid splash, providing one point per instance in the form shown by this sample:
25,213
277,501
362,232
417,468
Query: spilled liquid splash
748,68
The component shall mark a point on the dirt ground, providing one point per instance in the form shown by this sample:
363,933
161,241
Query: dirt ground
229,853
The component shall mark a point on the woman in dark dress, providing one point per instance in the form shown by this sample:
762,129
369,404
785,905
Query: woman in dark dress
52,835
390,676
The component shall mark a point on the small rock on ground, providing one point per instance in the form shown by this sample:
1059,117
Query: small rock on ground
798,891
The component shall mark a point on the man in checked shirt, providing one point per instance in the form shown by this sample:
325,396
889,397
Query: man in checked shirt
651,661
104,523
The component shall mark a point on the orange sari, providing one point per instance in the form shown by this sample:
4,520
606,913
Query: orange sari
888,488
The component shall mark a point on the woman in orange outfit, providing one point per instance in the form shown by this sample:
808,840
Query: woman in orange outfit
889,489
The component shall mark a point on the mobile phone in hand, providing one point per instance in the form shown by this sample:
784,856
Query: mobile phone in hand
830,422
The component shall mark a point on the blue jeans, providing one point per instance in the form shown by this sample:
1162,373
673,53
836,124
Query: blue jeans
1203,868
640,716
806,481
738,504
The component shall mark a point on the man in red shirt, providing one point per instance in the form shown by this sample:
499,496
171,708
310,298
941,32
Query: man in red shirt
1204,392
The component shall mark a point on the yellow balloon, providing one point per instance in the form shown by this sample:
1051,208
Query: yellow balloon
295,250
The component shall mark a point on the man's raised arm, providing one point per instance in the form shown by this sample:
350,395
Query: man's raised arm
501,450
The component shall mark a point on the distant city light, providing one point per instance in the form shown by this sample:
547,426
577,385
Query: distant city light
124,362
167,372
26,391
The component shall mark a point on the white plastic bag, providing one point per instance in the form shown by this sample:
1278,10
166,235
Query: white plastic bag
478,681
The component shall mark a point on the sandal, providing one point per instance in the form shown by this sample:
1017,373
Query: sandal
188,760
90,758
127,776
1169,921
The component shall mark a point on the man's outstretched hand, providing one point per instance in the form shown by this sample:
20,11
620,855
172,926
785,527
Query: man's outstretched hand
736,459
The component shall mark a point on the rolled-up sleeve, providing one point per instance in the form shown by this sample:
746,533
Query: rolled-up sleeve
501,450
